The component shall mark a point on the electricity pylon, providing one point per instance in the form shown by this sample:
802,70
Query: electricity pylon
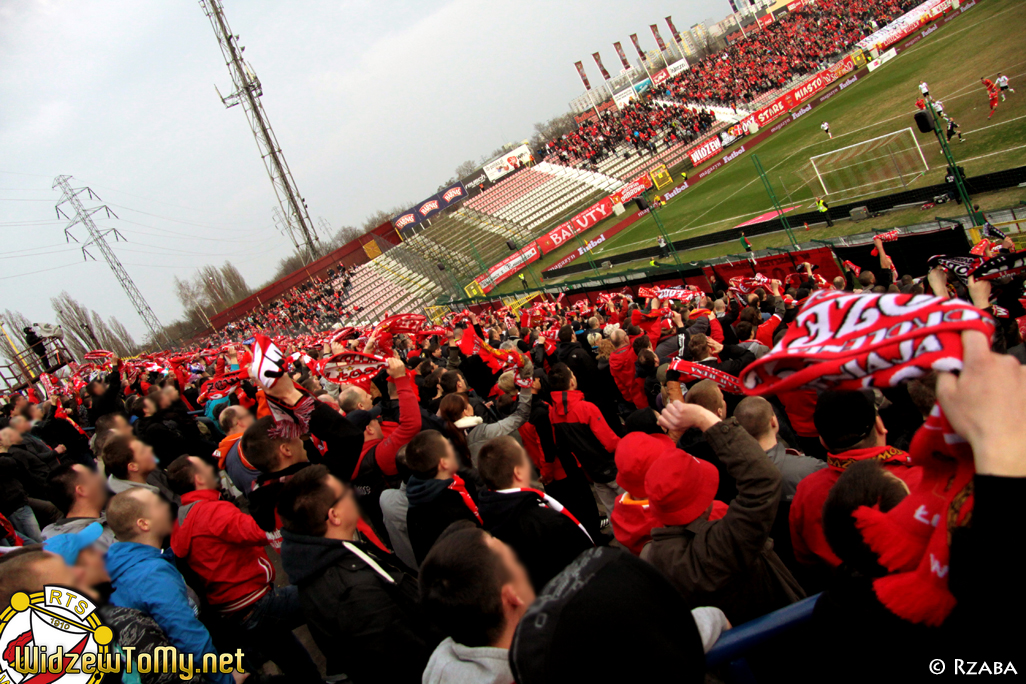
98,239
247,93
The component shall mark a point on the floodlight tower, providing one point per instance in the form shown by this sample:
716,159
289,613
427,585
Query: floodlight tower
247,93
98,239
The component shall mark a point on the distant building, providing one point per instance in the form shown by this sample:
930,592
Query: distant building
701,34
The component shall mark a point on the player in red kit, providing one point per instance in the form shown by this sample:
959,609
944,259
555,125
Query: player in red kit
992,93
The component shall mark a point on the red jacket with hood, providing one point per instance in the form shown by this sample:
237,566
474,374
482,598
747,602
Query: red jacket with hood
225,547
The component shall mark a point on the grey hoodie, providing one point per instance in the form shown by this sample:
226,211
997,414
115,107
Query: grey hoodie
72,525
453,663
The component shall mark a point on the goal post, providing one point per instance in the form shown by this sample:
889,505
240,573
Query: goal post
885,162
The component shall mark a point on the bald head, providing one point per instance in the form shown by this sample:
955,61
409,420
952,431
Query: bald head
9,437
619,337
707,394
755,415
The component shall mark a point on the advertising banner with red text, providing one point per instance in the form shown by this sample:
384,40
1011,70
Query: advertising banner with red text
578,224
632,189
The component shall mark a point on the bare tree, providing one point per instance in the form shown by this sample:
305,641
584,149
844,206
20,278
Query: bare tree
76,320
129,347
235,281
14,323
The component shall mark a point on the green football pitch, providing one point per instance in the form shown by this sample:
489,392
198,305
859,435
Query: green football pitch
986,40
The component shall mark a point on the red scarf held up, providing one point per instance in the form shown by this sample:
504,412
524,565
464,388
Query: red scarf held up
460,488
847,341
913,538
889,236
697,371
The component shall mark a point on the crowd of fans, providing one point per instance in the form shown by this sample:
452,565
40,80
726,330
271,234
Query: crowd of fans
640,125
566,494
312,306
798,44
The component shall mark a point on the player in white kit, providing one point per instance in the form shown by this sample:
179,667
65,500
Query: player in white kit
1002,82
826,129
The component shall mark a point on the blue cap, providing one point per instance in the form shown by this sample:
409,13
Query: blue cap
68,546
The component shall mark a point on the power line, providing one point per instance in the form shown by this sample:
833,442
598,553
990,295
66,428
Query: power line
98,239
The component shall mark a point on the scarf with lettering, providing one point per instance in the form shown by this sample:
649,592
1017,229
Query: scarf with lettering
889,236
353,368
223,385
913,539
1012,263
268,362
981,248
960,266
549,502
847,341
697,371
992,232
460,488
853,268
686,293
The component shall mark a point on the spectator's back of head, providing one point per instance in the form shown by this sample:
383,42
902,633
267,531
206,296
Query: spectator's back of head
698,347
425,451
561,378
304,501
846,419
472,587
566,333
29,569
707,394
555,641
755,415
502,463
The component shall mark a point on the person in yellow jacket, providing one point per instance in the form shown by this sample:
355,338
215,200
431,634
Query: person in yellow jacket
823,209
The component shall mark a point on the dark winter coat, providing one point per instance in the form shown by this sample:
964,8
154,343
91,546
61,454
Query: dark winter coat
546,541
433,507
364,616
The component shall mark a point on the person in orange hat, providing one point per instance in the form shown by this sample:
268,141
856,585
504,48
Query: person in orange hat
727,563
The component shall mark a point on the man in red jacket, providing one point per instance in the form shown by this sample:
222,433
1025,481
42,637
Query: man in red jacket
376,470
224,547
584,440
851,430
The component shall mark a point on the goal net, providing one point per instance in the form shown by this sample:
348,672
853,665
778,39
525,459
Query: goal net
889,161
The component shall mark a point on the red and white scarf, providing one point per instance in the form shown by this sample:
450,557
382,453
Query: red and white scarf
549,502
912,539
696,371
889,236
847,341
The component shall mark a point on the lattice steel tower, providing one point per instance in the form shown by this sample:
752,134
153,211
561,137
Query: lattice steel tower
247,93
98,238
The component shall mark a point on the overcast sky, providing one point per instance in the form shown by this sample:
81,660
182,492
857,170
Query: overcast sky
373,102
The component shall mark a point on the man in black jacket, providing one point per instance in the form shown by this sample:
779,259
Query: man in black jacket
439,494
359,601
106,396
545,535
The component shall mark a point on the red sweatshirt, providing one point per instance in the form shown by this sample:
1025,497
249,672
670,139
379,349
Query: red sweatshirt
621,365
806,517
225,547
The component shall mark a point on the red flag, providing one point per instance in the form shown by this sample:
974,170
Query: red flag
637,46
622,56
584,76
658,38
598,60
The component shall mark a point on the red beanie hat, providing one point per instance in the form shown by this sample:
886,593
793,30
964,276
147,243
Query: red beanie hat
635,454
680,487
